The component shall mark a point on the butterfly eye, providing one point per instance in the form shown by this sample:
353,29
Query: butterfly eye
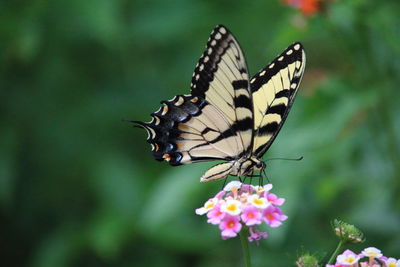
259,164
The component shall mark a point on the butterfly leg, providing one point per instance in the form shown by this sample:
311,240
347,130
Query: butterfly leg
223,185
265,174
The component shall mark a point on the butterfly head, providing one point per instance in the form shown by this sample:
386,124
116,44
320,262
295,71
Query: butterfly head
249,166
258,164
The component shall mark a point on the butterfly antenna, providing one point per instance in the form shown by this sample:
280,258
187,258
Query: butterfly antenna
296,159
138,124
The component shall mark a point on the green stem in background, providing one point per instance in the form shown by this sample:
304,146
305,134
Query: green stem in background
337,250
245,247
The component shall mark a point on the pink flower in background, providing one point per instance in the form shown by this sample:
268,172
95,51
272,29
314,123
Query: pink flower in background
392,262
230,226
347,258
239,205
307,7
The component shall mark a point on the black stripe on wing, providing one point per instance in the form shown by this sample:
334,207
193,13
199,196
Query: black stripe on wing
274,89
217,45
163,128
188,129
221,77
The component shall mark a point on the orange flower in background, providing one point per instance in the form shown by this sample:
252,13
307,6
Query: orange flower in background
307,7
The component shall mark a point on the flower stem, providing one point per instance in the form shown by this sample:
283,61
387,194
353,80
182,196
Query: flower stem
336,252
245,247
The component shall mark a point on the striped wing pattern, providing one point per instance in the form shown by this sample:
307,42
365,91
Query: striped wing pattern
216,120
188,129
226,117
274,89
221,77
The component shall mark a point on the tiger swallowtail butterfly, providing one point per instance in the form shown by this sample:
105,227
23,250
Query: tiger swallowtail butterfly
227,116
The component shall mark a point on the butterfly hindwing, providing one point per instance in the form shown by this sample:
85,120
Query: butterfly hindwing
274,88
187,129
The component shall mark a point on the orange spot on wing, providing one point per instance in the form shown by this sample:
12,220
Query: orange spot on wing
167,157
182,127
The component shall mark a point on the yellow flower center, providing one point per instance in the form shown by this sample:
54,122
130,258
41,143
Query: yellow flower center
350,259
392,265
250,215
231,207
258,201
209,205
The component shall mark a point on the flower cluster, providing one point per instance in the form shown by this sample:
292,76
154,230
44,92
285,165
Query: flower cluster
374,258
239,205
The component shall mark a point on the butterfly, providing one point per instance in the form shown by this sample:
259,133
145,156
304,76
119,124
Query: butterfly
227,116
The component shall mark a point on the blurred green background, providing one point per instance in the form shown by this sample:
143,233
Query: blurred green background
79,187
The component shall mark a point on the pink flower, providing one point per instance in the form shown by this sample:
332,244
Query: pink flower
251,216
230,226
232,207
392,262
215,216
207,206
347,258
259,202
273,199
256,235
273,216
371,252
220,194
367,264
243,205
247,187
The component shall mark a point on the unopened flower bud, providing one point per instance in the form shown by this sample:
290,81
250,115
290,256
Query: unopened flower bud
347,233
307,260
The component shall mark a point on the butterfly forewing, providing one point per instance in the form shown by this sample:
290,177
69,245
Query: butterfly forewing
221,77
274,88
